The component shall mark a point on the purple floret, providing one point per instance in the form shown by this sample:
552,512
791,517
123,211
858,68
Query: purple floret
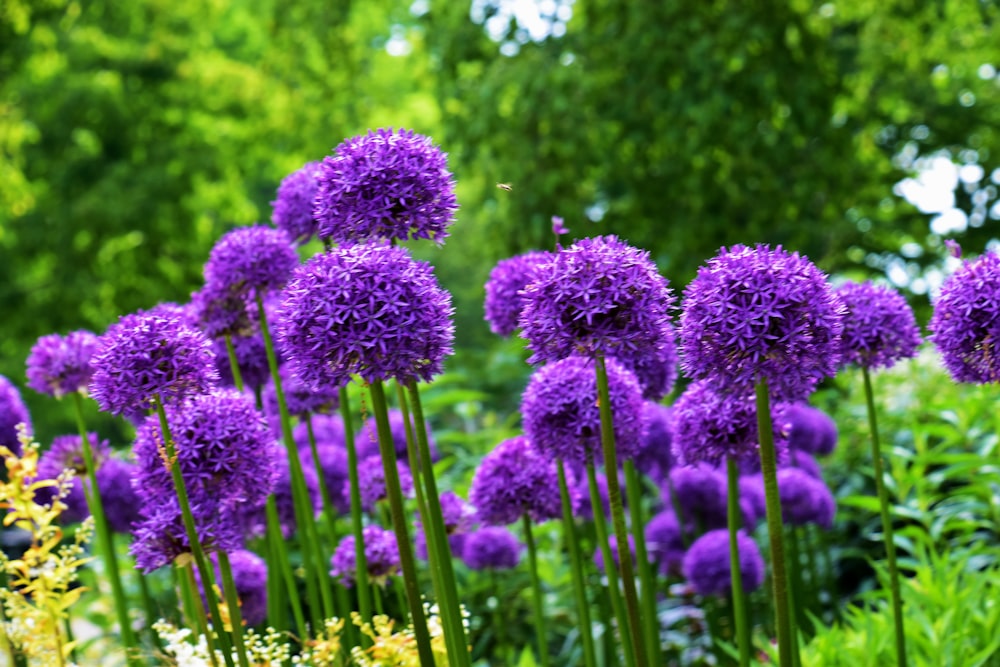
761,313
965,326
707,568
367,440
370,310
292,210
371,482
561,414
251,261
656,371
67,452
655,456
121,502
385,185
219,311
12,413
514,480
810,430
504,299
599,296
879,326
805,499
300,398
159,536
60,365
146,355
491,548
251,357
665,542
381,557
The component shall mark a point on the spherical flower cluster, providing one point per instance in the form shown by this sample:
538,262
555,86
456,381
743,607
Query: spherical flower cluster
66,452
655,455
251,261
965,326
514,480
121,502
300,397
292,210
371,482
459,518
806,463
367,440
665,542
879,326
12,413
599,296
385,185
370,310
700,493
655,370
707,568
491,548
381,557
250,579
579,492
810,430
333,469
159,536
761,313
146,355
219,311
58,366
328,430
503,289
253,517
561,414
753,502
251,357
805,499
711,426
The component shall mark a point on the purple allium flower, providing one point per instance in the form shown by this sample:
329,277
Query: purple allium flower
613,543
954,249
253,517
219,311
665,542
700,492
334,469
327,429
806,462
367,440
561,414
300,398
504,299
12,413
753,502
599,296
385,185
58,366
706,564
250,580
761,313
559,226
655,456
710,426
580,493
371,482
159,536
381,557
810,430
292,210
805,499
879,326
657,371
251,261
493,548
370,310
121,502
965,326
146,354
67,452
251,357
513,480
459,518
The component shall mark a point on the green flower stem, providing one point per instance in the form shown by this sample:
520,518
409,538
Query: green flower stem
678,512
312,552
233,605
804,536
651,630
618,516
234,364
379,608
537,597
207,576
779,577
576,565
284,566
357,523
147,604
104,538
739,599
887,532
189,589
395,495
830,576
794,592
329,515
452,611
610,570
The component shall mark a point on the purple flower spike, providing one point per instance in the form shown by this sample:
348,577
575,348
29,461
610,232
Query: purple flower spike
513,480
292,210
12,413
367,440
121,502
879,326
58,366
805,499
504,299
381,557
371,482
965,326
561,416
655,456
67,452
385,185
251,261
665,542
599,296
706,565
300,397
491,548
149,354
370,310
810,430
761,313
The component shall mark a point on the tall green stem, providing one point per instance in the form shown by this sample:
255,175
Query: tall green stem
283,566
357,523
618,514
576,565
233,606
633,491
794,593
779,577
887,532
739,599
537,597
234,364
189,588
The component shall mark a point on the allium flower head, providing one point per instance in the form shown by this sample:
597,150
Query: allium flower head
121,502
300,398
579,492
655,456
366,309
250,580
458,515
753,502
761,313
491,548
706,564
159,536
371,482
327,429
367,440
251,261
655,370
805,499
148,354
251,357
665,542
513,480
504,299
381,557
219,311
599,296
334,470
561,414
700,492
879,326
60,365
965,326
385,185
253,517
810,430
12,413
292,210
66,452
806,462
